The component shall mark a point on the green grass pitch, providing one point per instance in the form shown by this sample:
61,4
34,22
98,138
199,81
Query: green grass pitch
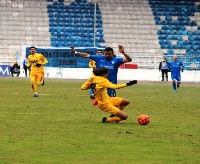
61,125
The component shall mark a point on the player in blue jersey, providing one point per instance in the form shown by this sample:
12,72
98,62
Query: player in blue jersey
110,61
176,67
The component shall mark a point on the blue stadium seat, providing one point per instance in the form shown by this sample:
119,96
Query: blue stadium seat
175,29
68,21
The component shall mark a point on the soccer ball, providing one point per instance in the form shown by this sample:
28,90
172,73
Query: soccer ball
143,119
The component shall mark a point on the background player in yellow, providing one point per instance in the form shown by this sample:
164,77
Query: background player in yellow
113,105
36,62
92,64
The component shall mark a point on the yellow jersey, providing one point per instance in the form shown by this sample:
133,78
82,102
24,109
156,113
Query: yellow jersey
34,60
99,86
92,64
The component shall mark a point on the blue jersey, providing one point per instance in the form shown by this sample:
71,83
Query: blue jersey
112,65
175,67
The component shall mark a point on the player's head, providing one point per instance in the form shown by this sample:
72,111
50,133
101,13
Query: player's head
99,52
101,72
32,50
108,53
175,58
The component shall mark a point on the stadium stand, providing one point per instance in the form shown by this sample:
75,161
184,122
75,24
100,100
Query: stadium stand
73,24
179,28
149,29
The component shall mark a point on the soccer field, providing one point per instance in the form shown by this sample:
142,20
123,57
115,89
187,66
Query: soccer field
62,126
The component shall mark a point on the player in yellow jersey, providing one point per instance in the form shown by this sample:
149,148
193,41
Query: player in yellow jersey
36,62
92,64
113,105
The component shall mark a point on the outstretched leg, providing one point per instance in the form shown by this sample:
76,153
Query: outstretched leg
115,108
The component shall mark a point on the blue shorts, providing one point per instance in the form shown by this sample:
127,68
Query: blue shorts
176,77
111,92
91,92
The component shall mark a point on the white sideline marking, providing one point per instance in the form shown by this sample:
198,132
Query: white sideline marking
28,113
38,94
44,94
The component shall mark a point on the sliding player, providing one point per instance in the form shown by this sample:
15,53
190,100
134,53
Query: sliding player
110,61
113,105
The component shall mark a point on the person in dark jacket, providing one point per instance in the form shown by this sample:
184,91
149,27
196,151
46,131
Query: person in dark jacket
26,69
15,69
164,68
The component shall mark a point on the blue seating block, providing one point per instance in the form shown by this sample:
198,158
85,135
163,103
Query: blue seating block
174,29
68,22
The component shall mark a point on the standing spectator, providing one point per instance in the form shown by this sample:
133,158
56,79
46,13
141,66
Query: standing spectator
15,69
110,61
176,67
164,68
36,62
25,66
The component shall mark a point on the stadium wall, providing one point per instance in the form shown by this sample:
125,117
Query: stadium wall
123,74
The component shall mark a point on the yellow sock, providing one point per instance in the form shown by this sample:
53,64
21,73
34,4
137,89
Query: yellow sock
112,119
34,86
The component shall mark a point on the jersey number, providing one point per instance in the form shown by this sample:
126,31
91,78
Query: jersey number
93,87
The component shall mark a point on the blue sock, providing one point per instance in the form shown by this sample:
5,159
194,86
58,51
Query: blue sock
174,85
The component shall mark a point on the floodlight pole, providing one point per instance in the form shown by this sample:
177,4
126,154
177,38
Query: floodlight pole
95,12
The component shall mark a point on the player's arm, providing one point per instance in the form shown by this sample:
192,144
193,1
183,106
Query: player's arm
169,67
127,57
160,66
108,84
85,55
86,85
182,67
41,62
45,61
29,63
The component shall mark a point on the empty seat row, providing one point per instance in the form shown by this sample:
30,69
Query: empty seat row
178,32
186,23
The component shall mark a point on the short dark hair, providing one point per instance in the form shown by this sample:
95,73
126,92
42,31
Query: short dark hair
97,51
107,49
32,47
101,71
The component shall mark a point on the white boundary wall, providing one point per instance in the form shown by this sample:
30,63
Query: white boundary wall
123,74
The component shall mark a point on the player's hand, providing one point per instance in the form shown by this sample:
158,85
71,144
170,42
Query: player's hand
73,50
121,49
131,82
38,65
182,70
